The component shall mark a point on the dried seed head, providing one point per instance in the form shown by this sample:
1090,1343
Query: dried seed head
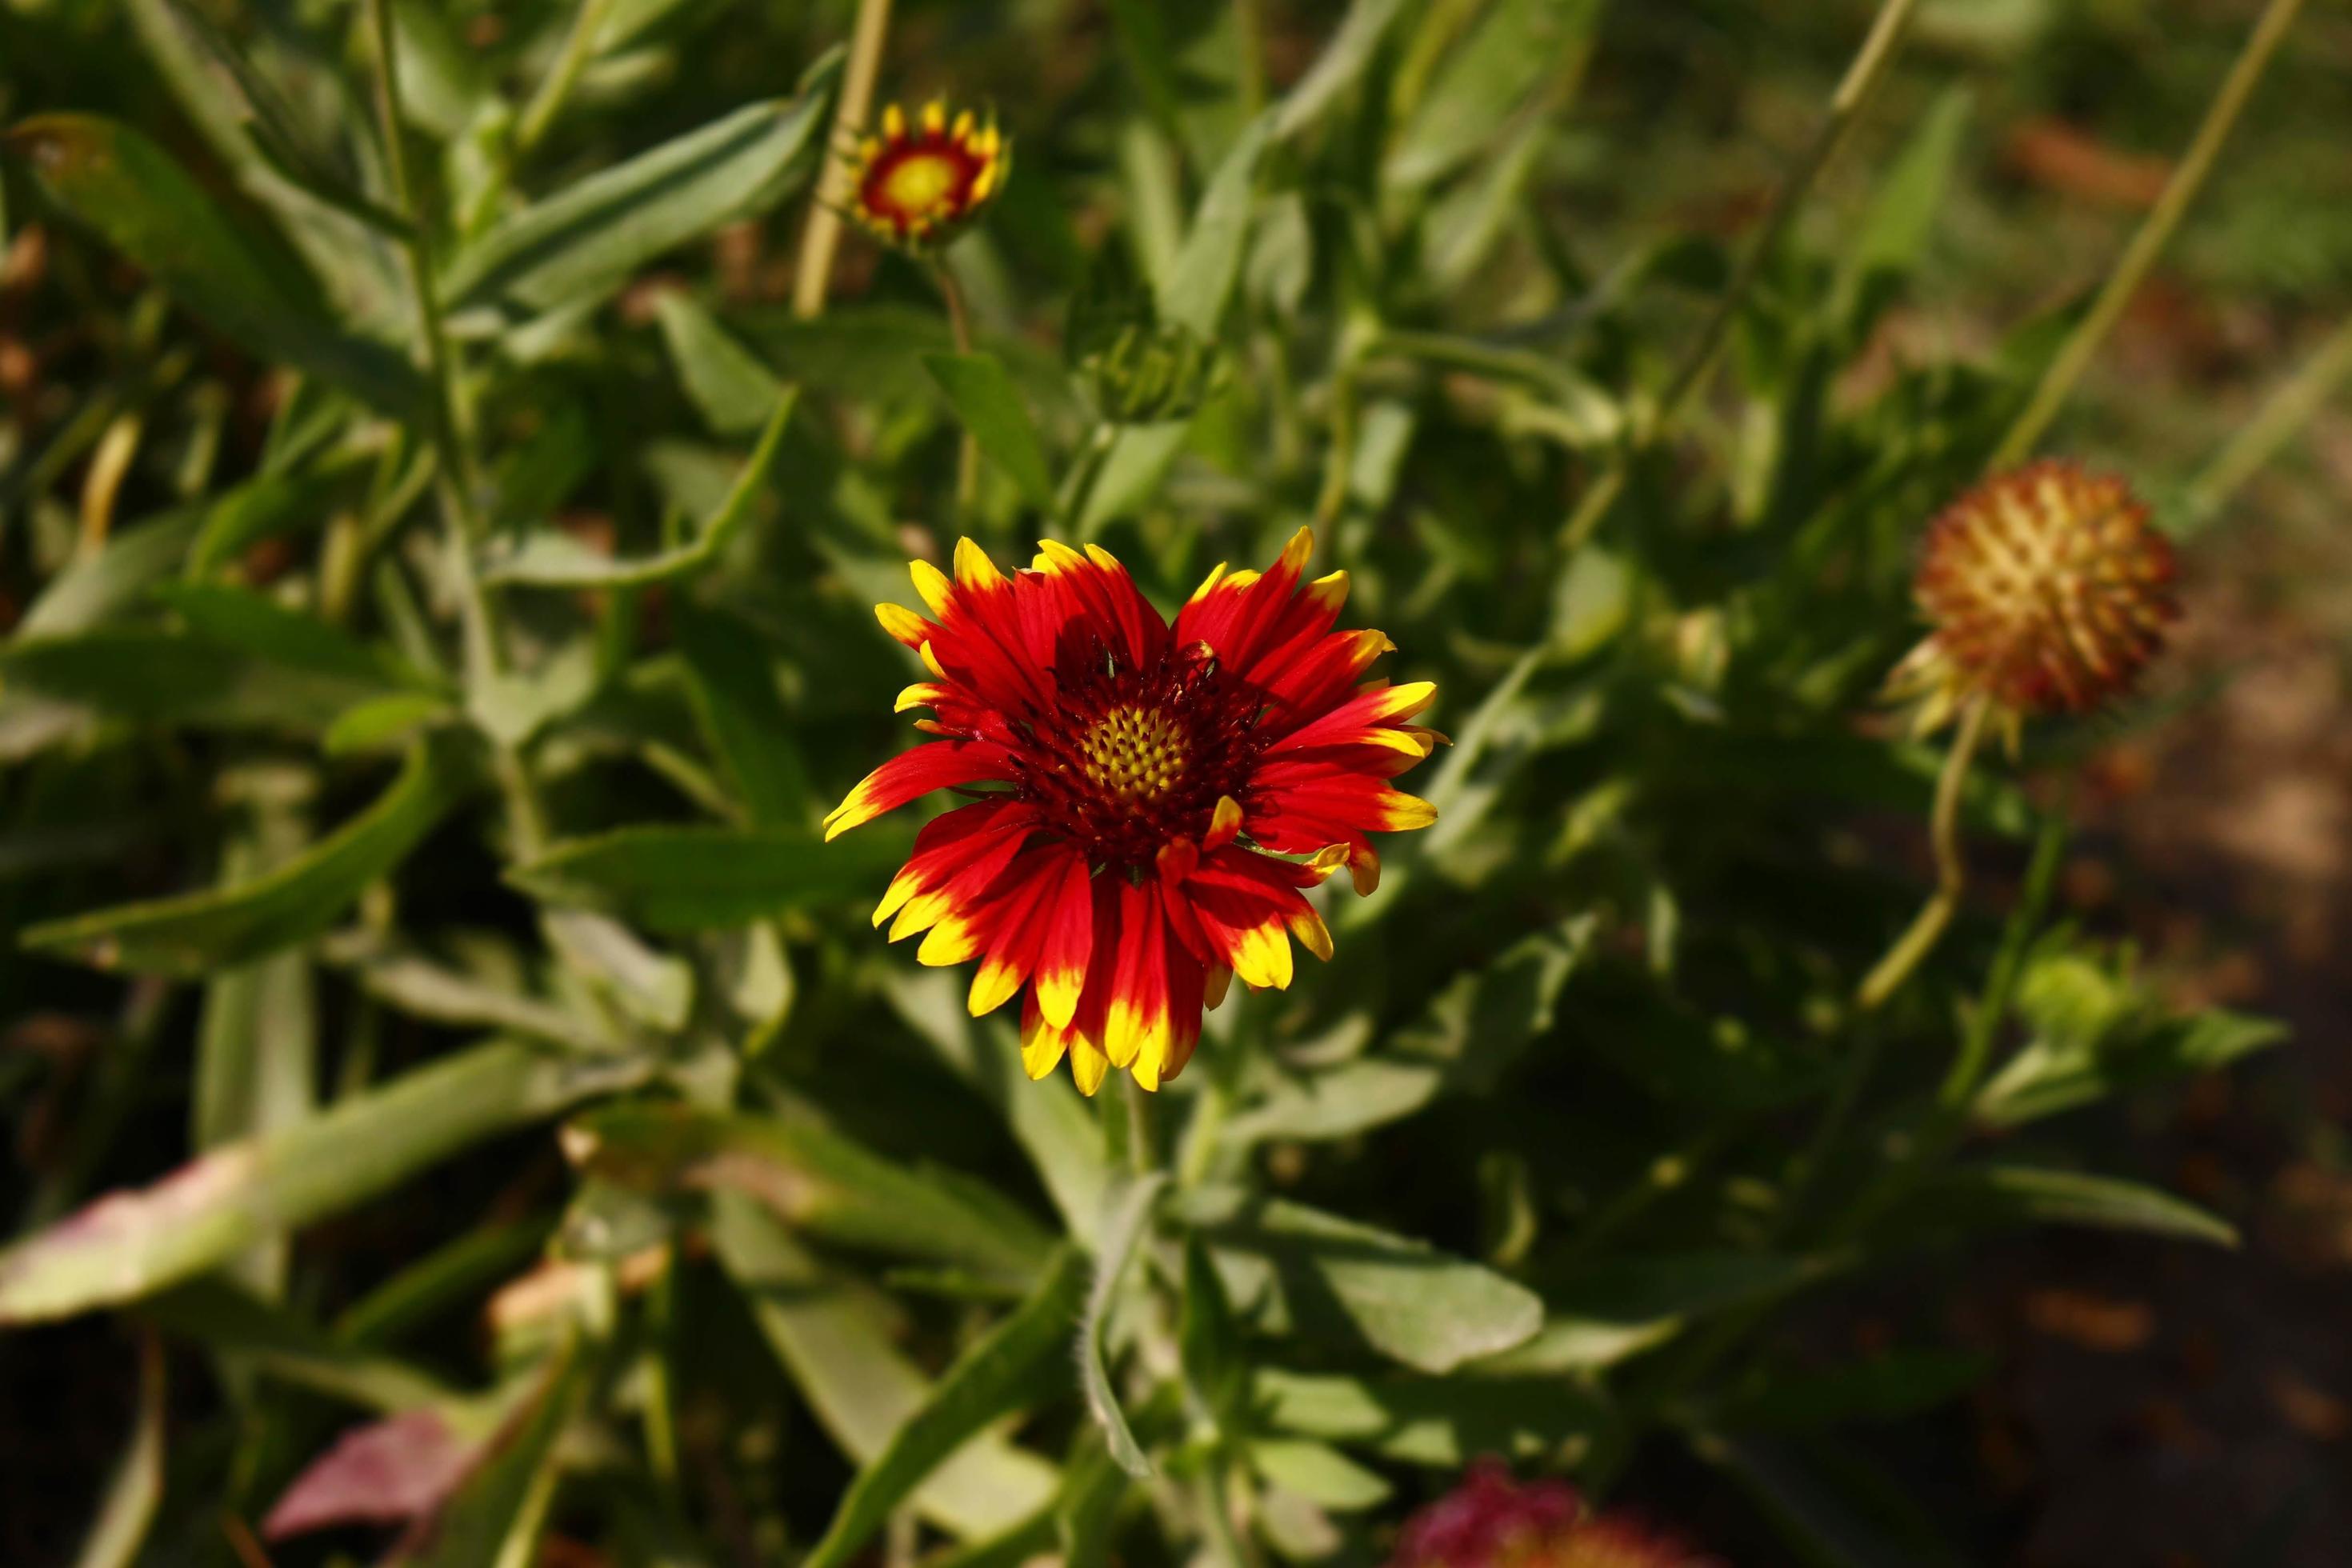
2048,592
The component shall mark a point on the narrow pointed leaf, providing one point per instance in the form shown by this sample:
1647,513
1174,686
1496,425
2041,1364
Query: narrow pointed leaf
131,1243
251,290
834,1339
990,407
1022,1361
196,933
587,239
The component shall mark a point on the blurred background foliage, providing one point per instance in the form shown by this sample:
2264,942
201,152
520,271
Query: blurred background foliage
522,1150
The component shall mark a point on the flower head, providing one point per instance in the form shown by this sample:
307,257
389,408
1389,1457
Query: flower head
1492,1521
915,186
2048,591
1149,800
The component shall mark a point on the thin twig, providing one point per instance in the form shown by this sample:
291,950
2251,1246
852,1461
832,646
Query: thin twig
1854,91
812,274
2132,267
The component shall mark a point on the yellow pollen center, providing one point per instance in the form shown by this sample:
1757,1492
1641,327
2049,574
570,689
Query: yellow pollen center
920,182
1134,753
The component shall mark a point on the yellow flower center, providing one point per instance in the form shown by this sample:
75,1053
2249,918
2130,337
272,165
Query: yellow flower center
1134,753
920,182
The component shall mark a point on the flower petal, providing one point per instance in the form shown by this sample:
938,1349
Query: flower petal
940,765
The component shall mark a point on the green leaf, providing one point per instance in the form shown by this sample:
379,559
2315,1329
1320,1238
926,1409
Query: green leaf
550,559
135,195
2061,1069
423,989
1335,69
2024,1194
1199,284
1894,233
256,1043
731,386
732,685
130,1244
819,1181
1485,81
1440,1421
1319,1473
1054,1126
705,878
990,407
197,933
260,625
589,238
91,591
1019,1362
1126,1219
835,1339
1303,1270
652,987
1209,1344
172,678
1606,1311
264,507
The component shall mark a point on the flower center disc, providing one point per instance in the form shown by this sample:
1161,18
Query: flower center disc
1134,753
920,182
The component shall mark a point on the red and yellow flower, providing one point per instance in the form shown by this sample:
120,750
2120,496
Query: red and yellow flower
2048,591
916,185
1149,801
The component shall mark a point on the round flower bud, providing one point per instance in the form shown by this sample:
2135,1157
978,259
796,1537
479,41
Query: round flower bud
2048,592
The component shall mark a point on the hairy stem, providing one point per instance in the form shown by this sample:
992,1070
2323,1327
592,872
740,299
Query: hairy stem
2132,267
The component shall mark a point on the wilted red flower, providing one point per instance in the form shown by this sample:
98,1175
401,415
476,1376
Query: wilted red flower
2048,591
916,186
1144,785
1492,1521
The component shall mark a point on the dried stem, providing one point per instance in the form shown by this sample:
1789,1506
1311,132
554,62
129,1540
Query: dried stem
812,275
2139,256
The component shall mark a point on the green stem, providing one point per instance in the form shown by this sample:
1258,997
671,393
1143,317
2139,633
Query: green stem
960,326
2280,417
813,273
1142,1147
548,101
454,478
2132,267
1854,91
1952,872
